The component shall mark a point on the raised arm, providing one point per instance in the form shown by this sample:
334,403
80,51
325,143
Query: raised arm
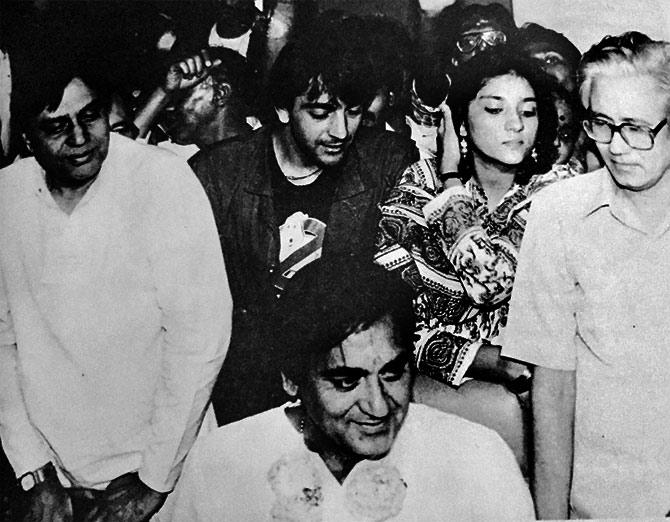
180,76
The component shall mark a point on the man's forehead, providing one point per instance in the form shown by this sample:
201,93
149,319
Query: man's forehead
368,349
76,96
322,98
317,93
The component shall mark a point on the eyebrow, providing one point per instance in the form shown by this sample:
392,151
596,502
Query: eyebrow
94,104
636,121
347,371
501,98
326,106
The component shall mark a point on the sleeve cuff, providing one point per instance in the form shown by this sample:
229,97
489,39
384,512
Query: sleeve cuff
465,359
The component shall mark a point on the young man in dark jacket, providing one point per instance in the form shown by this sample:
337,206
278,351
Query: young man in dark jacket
302,189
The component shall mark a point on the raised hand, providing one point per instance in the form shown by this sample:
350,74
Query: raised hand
188,72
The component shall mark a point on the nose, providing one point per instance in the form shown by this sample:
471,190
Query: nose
375,401
514,122
78,135
339,126
618,145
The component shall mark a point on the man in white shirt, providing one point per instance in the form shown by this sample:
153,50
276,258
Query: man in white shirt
590,302
352,447
115,311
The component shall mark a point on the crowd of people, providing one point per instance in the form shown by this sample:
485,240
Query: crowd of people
277,263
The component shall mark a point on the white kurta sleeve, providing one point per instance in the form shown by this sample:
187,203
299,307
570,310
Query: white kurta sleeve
196,308
24,447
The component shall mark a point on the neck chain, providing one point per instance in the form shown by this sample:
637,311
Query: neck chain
304,176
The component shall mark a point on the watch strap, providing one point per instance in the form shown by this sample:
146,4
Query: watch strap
30,479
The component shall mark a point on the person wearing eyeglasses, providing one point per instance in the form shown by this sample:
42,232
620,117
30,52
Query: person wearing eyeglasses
590,300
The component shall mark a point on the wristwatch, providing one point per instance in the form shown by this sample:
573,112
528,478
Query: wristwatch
29,480
444,176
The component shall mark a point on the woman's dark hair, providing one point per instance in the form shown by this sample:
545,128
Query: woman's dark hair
332,56
328,301
471,76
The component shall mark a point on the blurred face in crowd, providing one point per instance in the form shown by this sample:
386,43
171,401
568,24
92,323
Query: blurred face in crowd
503,120
476,38
120,119
376,113
554,64
358,393
194,115
644,107
320,130
568,130
71,142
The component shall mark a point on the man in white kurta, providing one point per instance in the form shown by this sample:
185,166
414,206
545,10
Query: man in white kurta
453,469
114,319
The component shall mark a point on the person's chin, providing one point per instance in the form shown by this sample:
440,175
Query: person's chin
373,449
374,445
79,171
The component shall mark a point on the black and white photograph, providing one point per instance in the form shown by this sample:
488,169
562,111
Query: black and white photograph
334,260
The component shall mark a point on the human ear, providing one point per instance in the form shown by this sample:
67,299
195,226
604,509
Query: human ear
290,387
283,115
222,92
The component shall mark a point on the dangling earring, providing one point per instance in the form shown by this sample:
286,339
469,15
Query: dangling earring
533,154
463,142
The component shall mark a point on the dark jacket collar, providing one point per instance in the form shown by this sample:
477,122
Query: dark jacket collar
353,178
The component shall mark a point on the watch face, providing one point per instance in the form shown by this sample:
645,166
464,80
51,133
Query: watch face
27,482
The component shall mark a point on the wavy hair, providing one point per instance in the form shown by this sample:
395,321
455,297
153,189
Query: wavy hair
629,54
471,76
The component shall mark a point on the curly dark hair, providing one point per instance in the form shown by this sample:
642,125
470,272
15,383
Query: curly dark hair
332,56
471,76
332,299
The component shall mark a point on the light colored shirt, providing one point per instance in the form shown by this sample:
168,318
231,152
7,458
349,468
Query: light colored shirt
592,294
445,467
114,320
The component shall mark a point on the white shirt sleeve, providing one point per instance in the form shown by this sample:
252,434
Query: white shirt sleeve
196,309
541,328
24,447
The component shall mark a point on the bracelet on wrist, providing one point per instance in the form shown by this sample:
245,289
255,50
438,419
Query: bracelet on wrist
444,176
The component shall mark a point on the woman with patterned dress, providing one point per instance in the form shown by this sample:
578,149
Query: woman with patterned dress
452,230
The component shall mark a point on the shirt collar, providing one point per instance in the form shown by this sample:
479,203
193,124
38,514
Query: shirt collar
351,178
609,196
603,196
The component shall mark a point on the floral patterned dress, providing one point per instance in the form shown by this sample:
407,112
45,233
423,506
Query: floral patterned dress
459,257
